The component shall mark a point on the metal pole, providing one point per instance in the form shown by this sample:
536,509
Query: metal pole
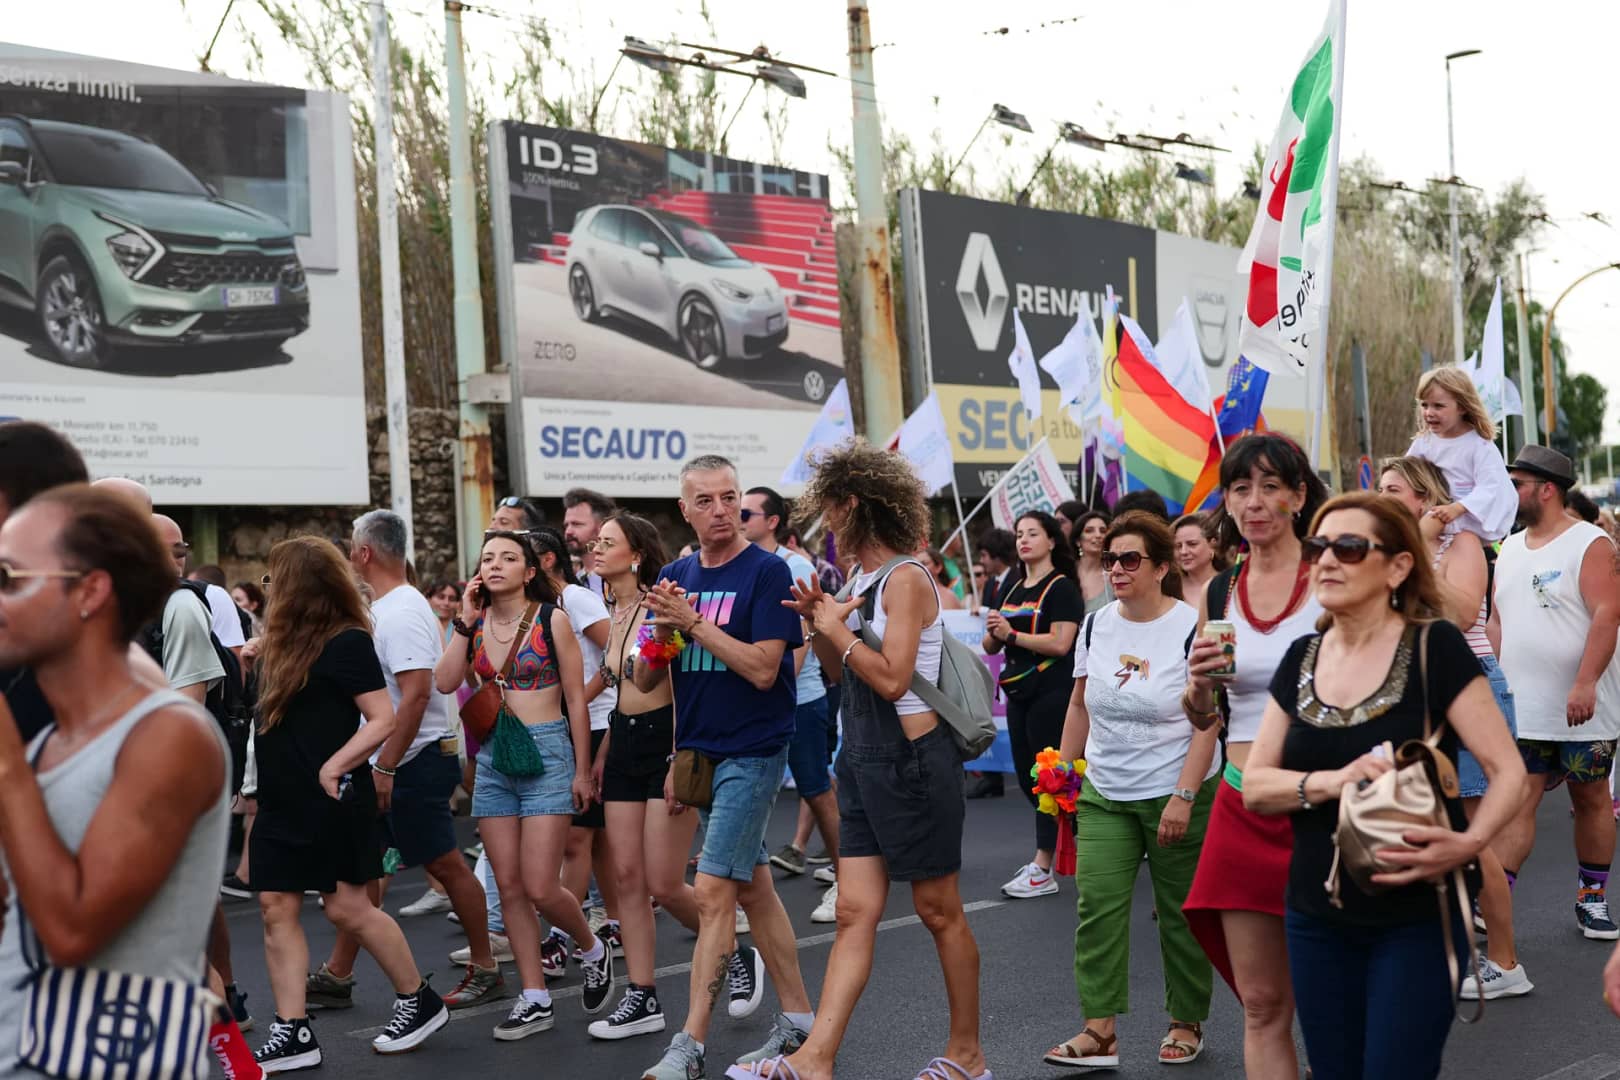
393,325
1548,386
477,494
967,545
879,346
1456,247
983,124
726,133
1527,385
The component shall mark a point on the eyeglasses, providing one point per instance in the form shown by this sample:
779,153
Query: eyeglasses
749,515
1129,561
602,544
1348,549
1526,481
12,578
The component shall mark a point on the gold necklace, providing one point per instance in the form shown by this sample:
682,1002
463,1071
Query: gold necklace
622,614
502,640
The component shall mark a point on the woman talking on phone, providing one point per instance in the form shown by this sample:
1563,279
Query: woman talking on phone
534,771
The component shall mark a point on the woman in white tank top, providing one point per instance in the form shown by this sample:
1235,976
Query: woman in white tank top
1235,908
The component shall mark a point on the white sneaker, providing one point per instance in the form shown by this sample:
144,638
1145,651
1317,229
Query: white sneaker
827,910
742,920
429,903
1030,881
827,875
498,945
1498,982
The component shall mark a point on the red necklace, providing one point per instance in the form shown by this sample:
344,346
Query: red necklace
1265,626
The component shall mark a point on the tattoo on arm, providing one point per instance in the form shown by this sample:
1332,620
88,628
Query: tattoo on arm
718,981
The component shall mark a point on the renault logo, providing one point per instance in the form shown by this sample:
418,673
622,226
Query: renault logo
984,318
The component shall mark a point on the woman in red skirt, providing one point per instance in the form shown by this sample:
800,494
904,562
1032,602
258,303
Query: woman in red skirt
1235,907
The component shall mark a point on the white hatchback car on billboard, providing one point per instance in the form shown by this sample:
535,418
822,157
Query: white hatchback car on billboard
669,271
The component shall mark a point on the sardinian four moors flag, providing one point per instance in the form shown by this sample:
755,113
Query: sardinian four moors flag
1290,251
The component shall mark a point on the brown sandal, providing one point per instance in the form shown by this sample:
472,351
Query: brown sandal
1189,1050
1069,1055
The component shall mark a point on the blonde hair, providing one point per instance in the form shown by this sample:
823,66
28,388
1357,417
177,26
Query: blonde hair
1456,382
1422,476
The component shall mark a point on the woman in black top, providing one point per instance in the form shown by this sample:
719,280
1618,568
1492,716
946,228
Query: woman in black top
317,825
1371,979
1036,624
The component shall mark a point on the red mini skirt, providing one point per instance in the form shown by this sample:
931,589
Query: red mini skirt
1243,867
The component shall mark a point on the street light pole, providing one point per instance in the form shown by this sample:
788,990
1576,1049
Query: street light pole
1549,393
1456,246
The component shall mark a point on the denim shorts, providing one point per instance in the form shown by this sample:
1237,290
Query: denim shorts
1470,777
734,825
552,792
807,752
419,821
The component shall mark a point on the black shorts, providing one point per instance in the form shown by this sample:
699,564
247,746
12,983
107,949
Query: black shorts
419,819
593,817
638,756
905,803
292,853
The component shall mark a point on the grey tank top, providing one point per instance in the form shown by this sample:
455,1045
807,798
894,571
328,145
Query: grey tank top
168,936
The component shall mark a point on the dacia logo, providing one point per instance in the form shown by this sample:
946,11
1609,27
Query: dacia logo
984,317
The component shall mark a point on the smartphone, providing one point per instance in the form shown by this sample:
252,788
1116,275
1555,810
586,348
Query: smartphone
483,595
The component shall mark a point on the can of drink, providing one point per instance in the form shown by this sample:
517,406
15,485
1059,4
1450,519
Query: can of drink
1226,634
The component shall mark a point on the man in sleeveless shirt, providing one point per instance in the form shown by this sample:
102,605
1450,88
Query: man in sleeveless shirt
1553,624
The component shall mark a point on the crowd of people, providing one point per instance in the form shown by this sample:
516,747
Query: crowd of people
1226,678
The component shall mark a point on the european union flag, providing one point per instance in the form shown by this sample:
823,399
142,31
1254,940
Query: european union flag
1245,390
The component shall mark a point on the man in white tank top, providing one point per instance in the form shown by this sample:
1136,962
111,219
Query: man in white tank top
1554,625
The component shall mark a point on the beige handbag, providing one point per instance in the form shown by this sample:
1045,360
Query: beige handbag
1374,815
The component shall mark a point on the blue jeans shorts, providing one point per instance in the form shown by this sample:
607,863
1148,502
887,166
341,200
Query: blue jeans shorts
808,754
1470,777
552,792
419,822
734,825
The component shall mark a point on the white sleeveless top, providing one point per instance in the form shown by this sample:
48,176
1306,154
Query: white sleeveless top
928,647
1257,658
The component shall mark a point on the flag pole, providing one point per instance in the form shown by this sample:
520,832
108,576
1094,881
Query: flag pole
1319,421
967,545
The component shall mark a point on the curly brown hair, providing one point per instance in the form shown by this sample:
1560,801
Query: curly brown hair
891,507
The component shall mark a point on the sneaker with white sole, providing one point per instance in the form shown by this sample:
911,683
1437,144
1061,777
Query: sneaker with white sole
819,858
526,1018
1029,882
324,990
610,933
478,985
827,910
682,1061
742,921
554,956
638,1014
745,974
789,858
1497,981
786,1038
429,903
416,1017
498,944
1592,913
826,875
291,1047
598,979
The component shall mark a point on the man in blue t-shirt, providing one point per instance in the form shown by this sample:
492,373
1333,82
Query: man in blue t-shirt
734,704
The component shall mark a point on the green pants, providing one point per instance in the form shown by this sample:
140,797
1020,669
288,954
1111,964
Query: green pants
1110,838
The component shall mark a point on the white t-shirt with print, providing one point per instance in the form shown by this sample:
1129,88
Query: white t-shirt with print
1135,674
585,609
406,636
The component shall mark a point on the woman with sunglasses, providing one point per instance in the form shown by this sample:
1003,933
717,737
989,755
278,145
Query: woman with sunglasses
1036,624
1149,785
1087,543
523,814
1374,983
1235,908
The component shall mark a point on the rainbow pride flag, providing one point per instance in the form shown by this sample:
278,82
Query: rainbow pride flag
1166,437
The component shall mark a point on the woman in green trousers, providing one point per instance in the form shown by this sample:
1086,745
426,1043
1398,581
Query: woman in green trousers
1149,785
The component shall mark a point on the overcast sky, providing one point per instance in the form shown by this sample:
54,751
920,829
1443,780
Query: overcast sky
1537,103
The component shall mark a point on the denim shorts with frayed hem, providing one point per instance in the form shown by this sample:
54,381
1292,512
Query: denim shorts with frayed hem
734,824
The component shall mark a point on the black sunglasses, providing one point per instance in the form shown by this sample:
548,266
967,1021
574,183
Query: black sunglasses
1348,549
1131,561
749,515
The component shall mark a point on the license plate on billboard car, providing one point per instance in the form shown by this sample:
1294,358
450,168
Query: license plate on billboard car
250,296
773,322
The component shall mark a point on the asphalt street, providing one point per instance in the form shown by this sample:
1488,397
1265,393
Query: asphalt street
1562,1030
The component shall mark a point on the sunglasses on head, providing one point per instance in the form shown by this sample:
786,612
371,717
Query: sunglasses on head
511,502
11,578
1129,561
1348,549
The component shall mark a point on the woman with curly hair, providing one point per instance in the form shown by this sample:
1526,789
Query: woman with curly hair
900,786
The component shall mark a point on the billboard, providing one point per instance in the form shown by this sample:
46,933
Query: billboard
969,263
179,278
657,304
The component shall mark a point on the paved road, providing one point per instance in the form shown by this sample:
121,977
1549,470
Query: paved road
1560,1031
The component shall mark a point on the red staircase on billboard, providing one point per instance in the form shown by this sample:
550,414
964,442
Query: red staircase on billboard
791,237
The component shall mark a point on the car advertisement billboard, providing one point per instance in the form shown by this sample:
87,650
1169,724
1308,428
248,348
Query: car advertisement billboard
179,278
969,263
659,304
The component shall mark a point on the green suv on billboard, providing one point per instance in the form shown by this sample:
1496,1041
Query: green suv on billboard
114,243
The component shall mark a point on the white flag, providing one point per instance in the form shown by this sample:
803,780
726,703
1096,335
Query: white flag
1182,361
1491,373
1512,403
1075,363
1022,364
833,426
1035,483
924,443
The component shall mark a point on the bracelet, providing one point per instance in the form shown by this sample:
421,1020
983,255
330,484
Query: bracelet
1304,803
460,627
850,649
1192,709
386,772
1012,637
658,654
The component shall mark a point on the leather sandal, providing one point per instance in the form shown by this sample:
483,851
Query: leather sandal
1069,1054
1189,1050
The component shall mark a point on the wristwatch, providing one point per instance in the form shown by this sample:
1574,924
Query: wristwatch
1186,793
